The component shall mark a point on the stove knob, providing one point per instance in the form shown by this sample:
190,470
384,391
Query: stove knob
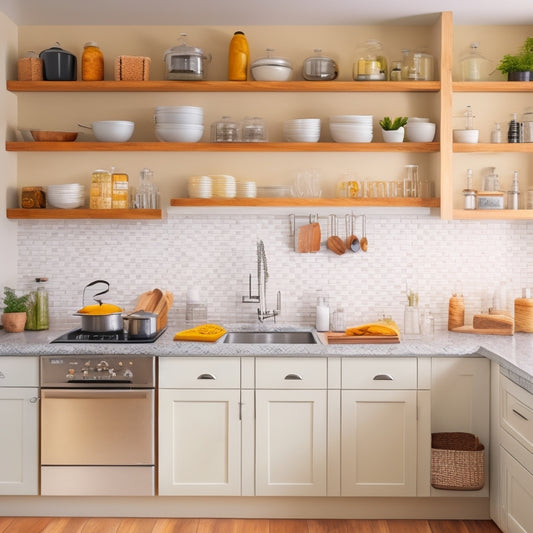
70,374
85,372
112,372
128,373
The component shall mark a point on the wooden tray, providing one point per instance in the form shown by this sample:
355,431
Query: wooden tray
334,337
484,331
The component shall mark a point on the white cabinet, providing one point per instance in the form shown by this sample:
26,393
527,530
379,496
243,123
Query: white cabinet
291,427
379,427
514,436
460,401
199,426
19,420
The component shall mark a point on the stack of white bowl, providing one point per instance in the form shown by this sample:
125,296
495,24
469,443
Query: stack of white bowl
68,196
302,130
246,189
224,186
179,123
200,187
351,128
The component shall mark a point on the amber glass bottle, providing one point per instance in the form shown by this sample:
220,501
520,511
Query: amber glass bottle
238,58
92,63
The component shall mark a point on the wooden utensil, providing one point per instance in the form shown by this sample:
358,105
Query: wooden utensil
364,240
334,242
309,238
54,136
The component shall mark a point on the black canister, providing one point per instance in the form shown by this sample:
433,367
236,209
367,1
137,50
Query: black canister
58,64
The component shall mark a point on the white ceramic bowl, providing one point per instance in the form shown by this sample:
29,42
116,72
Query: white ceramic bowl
180,133
351,119
271,73
466,136
348,133
113,130
420,132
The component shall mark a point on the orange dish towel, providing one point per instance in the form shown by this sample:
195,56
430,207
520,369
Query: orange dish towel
203,333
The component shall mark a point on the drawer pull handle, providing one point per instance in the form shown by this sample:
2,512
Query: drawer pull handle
206,376
383,377
34,399
520,415
293,377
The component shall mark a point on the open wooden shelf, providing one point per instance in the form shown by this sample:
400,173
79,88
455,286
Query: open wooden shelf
223,86
525,148
492,214
492,86
81,213
220,147
305,202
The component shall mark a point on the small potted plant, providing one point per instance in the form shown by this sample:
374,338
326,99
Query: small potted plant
14,316
393,130
519,67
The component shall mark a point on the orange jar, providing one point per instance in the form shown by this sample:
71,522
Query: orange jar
92,63
238,57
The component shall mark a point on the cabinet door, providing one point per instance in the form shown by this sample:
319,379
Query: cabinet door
516,494
460,401
199,442
291,431
19,445
379,443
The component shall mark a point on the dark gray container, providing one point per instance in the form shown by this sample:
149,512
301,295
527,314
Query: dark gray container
58,64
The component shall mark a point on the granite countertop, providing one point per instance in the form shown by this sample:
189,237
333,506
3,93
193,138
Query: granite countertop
513,353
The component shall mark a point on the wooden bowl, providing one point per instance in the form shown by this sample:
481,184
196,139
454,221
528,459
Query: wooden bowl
54,136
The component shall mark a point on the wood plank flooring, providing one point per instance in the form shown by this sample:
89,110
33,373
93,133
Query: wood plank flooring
217,525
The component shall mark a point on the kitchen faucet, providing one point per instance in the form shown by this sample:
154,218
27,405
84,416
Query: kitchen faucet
262,278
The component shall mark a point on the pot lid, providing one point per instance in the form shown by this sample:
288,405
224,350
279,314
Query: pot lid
269,60
183,49
318,56
55,49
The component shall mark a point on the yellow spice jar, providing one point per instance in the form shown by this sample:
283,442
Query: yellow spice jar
238,58
92,63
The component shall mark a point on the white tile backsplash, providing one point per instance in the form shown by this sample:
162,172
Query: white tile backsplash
217,253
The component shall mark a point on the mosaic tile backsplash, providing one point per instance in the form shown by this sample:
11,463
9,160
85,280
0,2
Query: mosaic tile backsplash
217,253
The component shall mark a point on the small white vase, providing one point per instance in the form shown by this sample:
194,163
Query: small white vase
393,136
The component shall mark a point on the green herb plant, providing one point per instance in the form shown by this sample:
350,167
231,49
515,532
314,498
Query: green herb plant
14,303
388,124
521,62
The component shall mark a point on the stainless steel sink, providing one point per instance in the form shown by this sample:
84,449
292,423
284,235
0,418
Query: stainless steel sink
270,337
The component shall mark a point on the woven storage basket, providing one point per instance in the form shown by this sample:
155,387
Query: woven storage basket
457,461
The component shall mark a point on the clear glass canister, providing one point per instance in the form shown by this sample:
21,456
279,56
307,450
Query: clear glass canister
474,67
370,62
421,66
225,130
37,310
92,63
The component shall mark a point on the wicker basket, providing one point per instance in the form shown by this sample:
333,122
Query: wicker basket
457,461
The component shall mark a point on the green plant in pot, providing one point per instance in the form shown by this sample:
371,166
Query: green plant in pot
519,67
393,130
14,316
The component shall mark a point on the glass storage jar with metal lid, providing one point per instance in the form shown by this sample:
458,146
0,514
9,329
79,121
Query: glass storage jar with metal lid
225,130
319,67
370,62
184,62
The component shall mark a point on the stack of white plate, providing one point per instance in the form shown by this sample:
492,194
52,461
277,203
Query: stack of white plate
302,130
200,187
179,123
351,128
246,189
224,186
67,196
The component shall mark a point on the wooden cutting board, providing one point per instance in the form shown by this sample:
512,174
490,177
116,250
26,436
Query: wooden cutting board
309,238
485,331
334,337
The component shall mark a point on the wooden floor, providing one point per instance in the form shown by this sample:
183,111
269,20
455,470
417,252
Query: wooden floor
204,525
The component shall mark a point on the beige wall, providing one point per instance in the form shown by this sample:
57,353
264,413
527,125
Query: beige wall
8,161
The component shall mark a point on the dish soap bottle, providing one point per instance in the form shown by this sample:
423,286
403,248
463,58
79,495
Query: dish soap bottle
37,312
322,314
239,56
513,196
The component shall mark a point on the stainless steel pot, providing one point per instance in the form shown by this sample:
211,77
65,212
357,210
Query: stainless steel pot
186,62
141,325
319,67
101,323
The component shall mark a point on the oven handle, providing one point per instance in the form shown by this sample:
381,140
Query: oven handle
97,394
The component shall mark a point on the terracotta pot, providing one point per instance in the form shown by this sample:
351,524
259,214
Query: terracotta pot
14,322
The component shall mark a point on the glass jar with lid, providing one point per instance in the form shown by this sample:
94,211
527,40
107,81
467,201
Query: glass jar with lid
37,311
225,130
186,62
370,62
474,67
319,67
421,66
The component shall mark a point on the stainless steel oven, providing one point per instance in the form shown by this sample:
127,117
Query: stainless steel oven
97,425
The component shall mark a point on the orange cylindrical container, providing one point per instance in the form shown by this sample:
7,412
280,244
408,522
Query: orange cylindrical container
92,63
239,56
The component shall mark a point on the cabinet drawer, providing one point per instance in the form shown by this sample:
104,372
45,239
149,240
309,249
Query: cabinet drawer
199,373
290,373
516,411
19,371
378,373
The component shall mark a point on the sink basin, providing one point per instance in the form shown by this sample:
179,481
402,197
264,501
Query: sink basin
270,337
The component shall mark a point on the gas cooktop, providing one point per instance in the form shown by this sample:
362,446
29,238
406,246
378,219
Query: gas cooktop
111,337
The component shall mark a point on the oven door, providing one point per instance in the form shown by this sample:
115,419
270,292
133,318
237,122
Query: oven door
96,442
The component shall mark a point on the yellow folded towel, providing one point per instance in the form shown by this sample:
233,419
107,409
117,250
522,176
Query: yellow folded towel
203,333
